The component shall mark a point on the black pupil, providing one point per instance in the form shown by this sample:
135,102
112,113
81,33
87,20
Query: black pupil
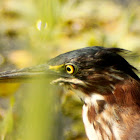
68,69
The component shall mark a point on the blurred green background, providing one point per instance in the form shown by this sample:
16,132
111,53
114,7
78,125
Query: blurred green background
33,31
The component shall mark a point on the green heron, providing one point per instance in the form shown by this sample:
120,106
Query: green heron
105,82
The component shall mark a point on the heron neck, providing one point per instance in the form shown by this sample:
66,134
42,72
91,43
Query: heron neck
126,93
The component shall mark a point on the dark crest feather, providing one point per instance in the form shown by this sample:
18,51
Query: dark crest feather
118,50
123,51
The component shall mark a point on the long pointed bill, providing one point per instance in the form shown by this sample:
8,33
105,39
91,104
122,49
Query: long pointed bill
35,72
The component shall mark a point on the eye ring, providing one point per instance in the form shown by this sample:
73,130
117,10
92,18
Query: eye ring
71,69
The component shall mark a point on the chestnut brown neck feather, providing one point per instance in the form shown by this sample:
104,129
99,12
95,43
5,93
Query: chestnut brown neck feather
126,93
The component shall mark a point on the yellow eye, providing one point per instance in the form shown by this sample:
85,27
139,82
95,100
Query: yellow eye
70,69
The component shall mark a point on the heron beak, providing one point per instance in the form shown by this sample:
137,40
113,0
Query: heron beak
35,72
